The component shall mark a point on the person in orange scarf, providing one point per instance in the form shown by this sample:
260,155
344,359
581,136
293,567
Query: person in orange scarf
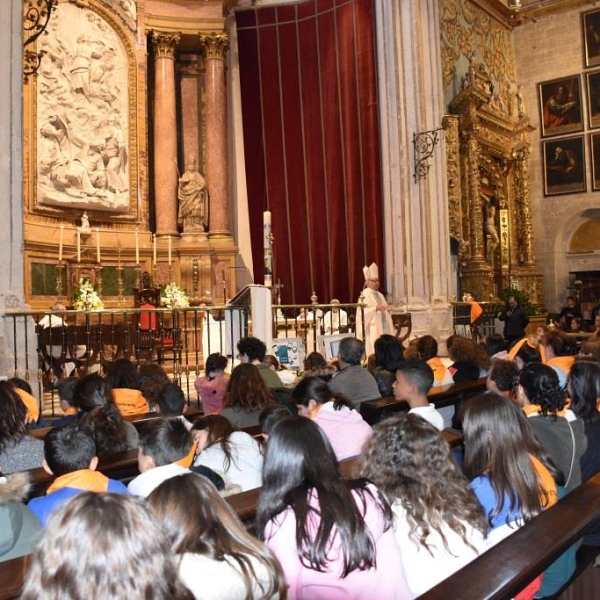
124,380
70,454
560,354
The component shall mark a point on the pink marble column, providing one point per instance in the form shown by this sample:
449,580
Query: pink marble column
165,133
214,47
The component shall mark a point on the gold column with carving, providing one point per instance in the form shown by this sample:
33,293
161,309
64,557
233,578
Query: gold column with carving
165,132
524,203
214,47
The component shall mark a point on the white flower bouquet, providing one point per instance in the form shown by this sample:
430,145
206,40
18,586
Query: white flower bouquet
171,296
85,295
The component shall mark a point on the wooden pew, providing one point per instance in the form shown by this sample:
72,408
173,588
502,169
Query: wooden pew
374,411
508,567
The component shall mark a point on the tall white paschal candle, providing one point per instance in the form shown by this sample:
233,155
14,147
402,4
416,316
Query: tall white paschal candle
268,248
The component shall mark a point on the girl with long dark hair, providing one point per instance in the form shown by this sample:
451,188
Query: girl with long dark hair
218,558
332,537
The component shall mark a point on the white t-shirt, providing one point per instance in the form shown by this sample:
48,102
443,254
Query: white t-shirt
143,485
431,414
245,467
210,579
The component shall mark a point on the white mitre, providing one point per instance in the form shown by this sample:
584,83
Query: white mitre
371,272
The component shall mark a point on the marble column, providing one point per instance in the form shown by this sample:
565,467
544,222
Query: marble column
165,133
214,47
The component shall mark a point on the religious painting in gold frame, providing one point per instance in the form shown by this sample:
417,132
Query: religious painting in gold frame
564,165
591,38
595,149
593,98
81,119
560,106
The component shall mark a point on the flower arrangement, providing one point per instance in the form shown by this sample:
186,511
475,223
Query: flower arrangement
171,296
85,295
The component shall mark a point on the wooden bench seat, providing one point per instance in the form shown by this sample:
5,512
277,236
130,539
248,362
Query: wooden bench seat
374,411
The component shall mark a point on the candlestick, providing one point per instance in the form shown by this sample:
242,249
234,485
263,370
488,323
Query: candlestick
154,249
98,244
78,246
169,250
268,250
137,248
60,242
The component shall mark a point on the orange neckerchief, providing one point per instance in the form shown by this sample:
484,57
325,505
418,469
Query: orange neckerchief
534,409
84,479
564,363
33,410
186,461
547,483
70,411
515,349
438,368
476,310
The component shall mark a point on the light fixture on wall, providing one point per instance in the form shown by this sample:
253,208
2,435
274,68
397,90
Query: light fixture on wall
36,15
514,4
424,144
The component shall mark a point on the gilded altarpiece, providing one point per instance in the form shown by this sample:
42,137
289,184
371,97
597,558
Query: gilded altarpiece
489,199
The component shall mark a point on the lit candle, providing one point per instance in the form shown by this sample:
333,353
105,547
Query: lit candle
137,248
169,250
60,242
78,246
98,244
154,248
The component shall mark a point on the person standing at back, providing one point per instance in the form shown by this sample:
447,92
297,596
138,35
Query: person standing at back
515,320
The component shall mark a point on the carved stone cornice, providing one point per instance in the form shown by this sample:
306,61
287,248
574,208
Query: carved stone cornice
214,45
164,44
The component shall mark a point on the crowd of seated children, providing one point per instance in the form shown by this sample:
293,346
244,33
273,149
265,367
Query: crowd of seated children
557,428
19,527
70,455
166,449
414,379
98,412
124,381
389,353
246,396
252,351
218,558
171,403
332,537
233,454
345,428
18,451
103,546
211,387
438,522
512,475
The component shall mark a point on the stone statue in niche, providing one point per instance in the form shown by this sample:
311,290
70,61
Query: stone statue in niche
82,110
193,200
490,206
85,224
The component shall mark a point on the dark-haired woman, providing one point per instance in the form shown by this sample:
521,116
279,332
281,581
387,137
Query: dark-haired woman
346,429
543,400
332,537
18,450
98,412
439,524
124,381
246,396
389,353
512,475
225,450
219,559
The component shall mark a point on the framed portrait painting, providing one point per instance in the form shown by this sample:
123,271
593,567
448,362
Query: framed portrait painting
593,98
560,106
591,38
595,146
564,165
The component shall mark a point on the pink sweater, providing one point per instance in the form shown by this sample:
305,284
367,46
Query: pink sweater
386,581
346,429
211,392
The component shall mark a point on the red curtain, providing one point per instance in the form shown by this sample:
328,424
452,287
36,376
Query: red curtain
309,103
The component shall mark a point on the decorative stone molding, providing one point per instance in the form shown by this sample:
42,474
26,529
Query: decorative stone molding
164,44
214,45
